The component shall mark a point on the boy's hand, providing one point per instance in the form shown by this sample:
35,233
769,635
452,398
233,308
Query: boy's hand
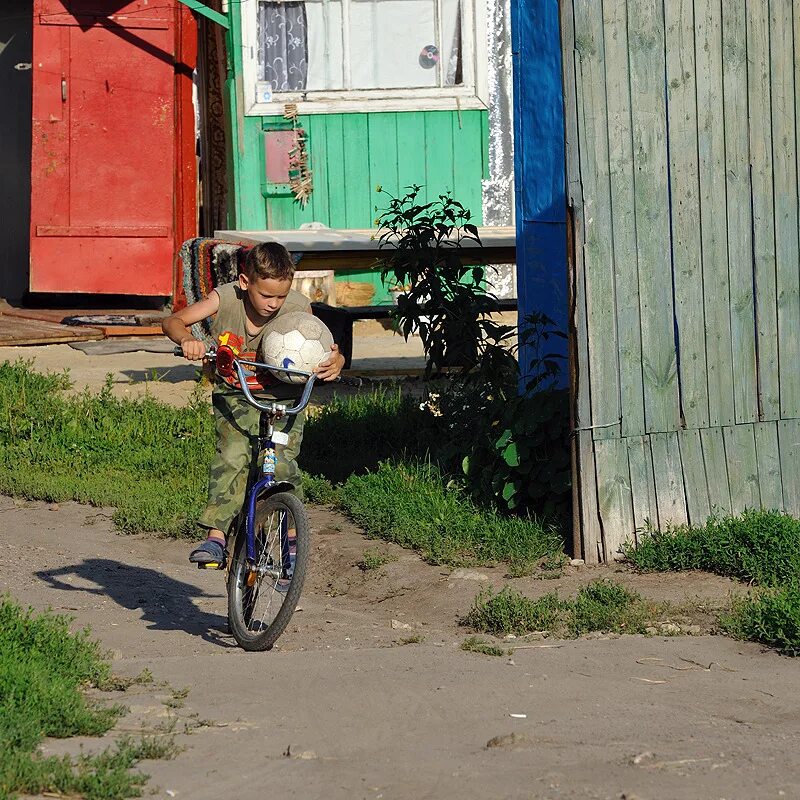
193,349
329,369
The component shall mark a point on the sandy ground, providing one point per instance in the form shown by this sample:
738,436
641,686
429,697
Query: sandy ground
347,706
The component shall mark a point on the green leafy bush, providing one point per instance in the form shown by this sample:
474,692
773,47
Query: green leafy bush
761,547
771,616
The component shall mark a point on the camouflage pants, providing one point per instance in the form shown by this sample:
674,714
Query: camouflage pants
236,425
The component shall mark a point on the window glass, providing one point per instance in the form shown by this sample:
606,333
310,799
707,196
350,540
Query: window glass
359,44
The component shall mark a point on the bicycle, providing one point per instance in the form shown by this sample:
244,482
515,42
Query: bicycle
271,534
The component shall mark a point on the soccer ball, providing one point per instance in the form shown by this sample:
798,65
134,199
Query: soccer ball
297,340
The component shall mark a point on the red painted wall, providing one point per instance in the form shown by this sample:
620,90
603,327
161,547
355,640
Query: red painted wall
113,176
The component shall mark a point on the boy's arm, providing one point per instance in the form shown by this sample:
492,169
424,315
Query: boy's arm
177,325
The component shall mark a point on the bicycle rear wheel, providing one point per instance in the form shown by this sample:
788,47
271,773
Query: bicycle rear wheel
263,596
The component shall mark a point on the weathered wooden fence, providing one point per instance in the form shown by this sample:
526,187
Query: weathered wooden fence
682,162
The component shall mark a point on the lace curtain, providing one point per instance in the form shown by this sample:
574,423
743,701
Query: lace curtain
283,45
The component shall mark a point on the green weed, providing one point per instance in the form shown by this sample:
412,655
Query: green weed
43,666
374,559
771,616
411,505
761,547
473,644
601,606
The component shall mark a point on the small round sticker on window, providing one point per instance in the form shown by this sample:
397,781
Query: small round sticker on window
429,56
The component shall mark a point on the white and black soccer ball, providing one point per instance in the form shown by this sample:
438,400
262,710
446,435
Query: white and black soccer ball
297,340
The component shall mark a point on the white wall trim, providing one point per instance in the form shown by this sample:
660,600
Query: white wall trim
473,94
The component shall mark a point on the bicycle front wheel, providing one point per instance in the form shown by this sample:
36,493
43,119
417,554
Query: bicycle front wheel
263,595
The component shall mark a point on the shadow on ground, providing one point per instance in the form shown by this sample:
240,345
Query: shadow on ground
165,603
176,374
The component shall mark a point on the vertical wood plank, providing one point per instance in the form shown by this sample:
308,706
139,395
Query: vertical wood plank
643,490
789,443
585,475
713,216
740,243
719,493
614,495
685,211
784,153
411,142
383,154
597,245
698,505
740,454
337,180
668,473
768,457
468,161
356,169
438,154
758,75
647,67
623,218
318,139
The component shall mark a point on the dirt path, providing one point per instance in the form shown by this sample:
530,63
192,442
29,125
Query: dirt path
343,709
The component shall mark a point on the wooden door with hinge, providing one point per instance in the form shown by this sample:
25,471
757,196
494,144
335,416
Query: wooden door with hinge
103,151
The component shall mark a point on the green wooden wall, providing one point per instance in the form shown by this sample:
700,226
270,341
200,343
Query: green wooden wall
352,154
682,131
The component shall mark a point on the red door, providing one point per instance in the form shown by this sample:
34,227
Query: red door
103,155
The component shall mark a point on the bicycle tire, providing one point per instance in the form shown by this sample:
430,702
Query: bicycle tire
252,634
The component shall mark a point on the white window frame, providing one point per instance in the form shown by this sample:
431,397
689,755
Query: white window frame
472,94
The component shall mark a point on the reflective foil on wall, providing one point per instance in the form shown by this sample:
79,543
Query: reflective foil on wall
498,190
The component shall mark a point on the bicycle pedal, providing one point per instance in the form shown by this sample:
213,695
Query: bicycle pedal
212,565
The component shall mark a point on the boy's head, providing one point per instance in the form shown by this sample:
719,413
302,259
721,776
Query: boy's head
267,277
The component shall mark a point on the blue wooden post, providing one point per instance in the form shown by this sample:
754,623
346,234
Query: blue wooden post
539,167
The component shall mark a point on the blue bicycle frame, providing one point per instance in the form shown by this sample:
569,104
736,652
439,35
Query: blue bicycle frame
267,483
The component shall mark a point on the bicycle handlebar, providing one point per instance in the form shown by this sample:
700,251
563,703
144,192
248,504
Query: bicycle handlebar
272,407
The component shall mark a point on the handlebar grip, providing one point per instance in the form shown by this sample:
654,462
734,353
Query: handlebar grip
356,382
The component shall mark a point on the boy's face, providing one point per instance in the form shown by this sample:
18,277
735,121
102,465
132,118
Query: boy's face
266,295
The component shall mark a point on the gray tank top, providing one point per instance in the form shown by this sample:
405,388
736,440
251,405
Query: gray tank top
232,317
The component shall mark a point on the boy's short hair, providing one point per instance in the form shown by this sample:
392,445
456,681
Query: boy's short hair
269,260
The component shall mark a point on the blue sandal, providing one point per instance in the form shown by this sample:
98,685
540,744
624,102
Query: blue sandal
209,555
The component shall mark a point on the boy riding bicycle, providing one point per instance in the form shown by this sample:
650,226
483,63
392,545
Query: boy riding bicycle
246,308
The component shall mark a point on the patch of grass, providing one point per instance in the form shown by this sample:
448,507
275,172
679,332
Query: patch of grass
374,559
761,547
411,505
318,490
509,611
147,459
416,639
43,666
770,616
473,644
354,434
603,606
